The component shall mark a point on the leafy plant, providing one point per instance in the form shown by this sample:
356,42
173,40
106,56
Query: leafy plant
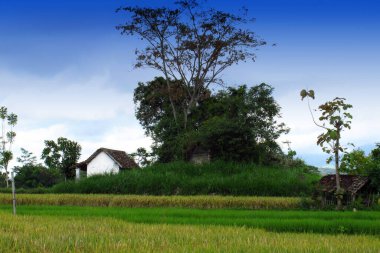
334,119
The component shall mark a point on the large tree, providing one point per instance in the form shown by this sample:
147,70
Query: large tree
234,124
190,46
8,122
62,155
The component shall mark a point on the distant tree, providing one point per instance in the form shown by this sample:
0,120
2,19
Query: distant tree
27,158
334,120
356,162
143,157
37,175
8,122
190,46
375,153
61,155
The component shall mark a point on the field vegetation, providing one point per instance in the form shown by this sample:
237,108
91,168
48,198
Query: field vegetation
332,222
90,229
204,202
180,178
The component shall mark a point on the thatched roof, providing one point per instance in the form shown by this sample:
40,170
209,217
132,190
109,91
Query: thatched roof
350,183
120,157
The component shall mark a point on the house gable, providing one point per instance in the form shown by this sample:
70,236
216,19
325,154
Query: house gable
102,163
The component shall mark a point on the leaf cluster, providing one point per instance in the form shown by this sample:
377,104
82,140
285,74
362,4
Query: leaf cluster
61,155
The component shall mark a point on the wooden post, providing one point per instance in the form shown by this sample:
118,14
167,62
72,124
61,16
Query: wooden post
13,192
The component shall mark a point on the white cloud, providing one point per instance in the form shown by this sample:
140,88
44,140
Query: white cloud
33,139
57,106
127,138
60,97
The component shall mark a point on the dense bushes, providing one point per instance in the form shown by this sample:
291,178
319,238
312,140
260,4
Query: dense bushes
187,179
35,176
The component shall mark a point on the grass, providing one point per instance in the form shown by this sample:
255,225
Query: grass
363,222
181,178
206,202
72,229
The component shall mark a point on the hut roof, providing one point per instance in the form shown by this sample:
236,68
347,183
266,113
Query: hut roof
120,157
351,183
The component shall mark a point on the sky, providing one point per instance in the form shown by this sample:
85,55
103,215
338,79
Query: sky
66,71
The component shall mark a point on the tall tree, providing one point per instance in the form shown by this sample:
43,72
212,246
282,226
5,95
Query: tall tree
8,122
234,124
334,119
62,155
190,46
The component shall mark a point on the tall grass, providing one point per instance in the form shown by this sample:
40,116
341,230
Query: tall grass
188,179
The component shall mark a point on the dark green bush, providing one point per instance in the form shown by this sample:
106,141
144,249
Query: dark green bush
35,176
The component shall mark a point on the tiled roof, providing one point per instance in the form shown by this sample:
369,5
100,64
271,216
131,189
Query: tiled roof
350,183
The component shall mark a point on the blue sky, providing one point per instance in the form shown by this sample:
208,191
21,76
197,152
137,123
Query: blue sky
66,71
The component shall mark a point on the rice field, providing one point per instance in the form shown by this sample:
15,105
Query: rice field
204,202
363,222
135,223
81,233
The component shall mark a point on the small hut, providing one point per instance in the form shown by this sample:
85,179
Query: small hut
198,155
354,186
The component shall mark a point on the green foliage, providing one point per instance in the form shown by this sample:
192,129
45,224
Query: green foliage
356,162
236,124
62,155
34,176
334,120
188,179
239,124
143,157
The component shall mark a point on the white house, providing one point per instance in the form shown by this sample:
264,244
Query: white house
104,161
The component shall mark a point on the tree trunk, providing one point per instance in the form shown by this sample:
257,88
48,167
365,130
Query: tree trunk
168,81
337,175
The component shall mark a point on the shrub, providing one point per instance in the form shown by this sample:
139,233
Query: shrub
34,176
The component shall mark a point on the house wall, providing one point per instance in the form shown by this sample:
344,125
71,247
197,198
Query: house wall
102,164
200,158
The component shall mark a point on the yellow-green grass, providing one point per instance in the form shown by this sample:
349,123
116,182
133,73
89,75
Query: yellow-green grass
332,222
94,234
204,202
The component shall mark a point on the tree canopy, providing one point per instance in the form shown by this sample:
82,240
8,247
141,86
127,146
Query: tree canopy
234,124
61,155
191,46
